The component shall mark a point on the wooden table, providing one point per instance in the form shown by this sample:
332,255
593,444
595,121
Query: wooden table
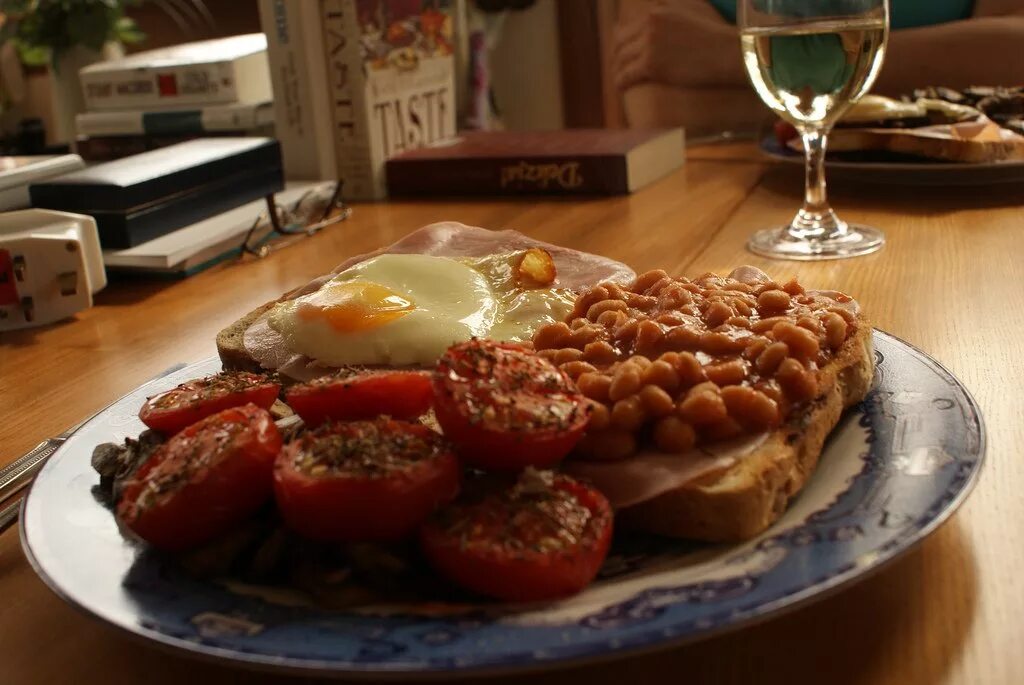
949,281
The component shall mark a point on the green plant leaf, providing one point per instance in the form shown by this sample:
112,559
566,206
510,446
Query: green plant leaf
33,55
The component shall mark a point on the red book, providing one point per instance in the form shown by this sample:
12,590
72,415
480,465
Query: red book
568,162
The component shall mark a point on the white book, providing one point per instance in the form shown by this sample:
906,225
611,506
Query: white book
204,242
18,173
177,121
219,71
302,116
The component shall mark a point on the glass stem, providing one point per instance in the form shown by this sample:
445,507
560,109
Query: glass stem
816,220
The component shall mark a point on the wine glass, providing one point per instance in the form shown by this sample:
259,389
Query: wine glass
809,61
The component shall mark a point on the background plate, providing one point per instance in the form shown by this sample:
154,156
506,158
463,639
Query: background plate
896,466
906,173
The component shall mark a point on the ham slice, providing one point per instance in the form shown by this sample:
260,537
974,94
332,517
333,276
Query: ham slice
576,270
647,474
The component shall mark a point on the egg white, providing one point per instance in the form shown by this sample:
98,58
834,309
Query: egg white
450,302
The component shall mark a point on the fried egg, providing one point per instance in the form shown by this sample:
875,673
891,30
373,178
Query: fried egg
407,309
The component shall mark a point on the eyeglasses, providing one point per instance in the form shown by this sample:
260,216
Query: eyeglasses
313,211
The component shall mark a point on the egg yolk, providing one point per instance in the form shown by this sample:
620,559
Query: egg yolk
354,306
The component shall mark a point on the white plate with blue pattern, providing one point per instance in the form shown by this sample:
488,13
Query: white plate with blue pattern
894,469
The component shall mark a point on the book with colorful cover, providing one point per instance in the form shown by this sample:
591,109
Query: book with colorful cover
391,73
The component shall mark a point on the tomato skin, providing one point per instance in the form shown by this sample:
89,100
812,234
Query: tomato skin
233,483
460,392
365,395
182,406
525,574
353,506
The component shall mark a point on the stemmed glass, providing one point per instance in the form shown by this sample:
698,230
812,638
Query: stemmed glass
809,61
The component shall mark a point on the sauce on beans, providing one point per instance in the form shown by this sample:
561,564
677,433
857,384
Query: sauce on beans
680,362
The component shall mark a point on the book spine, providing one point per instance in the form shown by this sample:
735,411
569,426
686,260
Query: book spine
307,154
173,122
200,84
346,90
590,175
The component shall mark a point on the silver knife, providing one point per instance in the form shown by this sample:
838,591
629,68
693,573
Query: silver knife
18,475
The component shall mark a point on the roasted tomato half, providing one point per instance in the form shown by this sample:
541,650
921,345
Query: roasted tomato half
204,480
543,538
173,410
353,395
505,408
364,481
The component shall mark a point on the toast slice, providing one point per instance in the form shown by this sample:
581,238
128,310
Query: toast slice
744,500
966,143
230,345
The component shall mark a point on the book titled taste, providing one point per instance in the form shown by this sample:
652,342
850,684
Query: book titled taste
362,80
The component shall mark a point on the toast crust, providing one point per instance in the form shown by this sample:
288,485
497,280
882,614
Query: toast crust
231,346
747,498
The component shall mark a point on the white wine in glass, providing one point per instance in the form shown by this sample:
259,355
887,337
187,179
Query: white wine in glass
810,60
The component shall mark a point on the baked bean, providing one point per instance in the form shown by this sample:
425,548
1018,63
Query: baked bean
755,346
591,297
773,301
771,390
717,313
738,321
599,308
600,416
835,330
682,338
573,369
727,373
607,445
594,385
796,381
725,429
737,286
647,279
674,297
656,287
552,335
549,354
693,288
649,336
639,361
627,331
628,414
764,286
656,401
718,342
753,409
671,319
793,287
689,369
568,354
765,325
673,435
811,324
702,407
662,374
802,343
583,335
615,291
641,302
845,313
600,352
769,360
625,382
579,323
612,319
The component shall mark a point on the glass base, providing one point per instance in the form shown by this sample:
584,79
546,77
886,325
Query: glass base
781,243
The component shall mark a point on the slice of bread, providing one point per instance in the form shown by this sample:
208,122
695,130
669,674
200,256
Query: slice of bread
230,345
744,500
932,143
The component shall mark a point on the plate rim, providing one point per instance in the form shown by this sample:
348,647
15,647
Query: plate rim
646,642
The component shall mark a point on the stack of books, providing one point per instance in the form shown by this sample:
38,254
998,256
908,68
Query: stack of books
156,98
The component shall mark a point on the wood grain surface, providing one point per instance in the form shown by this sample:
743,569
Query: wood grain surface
948,281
